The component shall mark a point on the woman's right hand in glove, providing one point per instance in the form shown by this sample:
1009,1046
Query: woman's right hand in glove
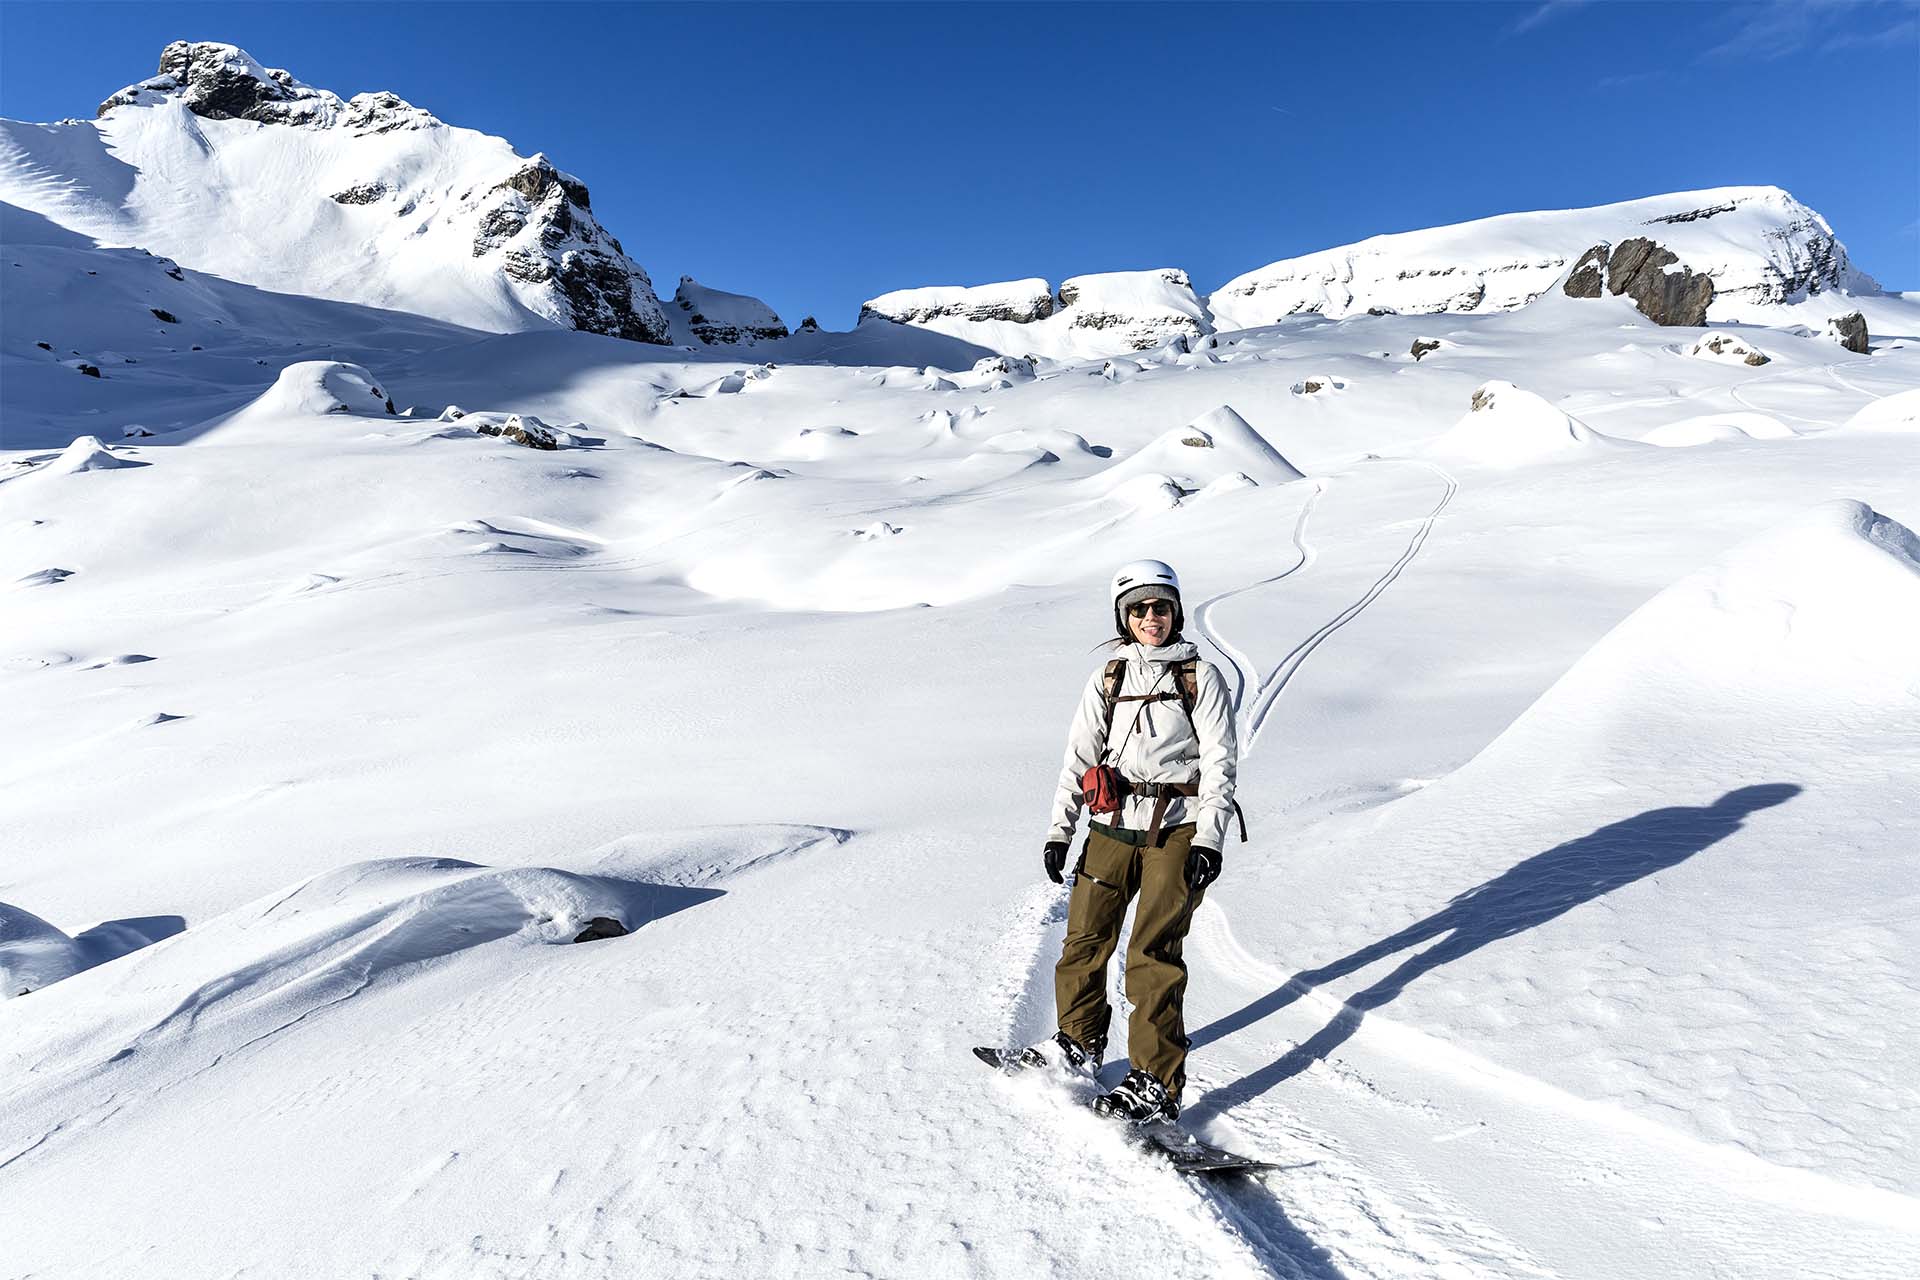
1056,860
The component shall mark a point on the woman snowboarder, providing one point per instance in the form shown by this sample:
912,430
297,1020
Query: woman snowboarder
1151,755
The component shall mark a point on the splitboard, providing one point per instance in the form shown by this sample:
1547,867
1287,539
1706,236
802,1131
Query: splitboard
1186,1153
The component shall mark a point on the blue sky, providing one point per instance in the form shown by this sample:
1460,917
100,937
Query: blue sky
816,155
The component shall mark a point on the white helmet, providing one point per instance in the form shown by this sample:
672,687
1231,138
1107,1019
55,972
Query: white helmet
1145,580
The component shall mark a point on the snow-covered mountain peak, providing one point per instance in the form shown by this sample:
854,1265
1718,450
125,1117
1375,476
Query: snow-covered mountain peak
224,82
234,168
1758,246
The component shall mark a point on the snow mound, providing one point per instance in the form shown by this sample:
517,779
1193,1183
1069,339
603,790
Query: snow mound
314,388
1897,412
1216,444
1712,427
86,453
258,969
1508,426
1727,348
33,953
1823,608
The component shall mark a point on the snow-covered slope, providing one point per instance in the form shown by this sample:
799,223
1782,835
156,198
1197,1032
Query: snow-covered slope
1090,315
1761,247
1576,935
234,169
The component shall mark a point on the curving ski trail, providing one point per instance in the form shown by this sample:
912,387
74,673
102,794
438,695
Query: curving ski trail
1244,671
1252,719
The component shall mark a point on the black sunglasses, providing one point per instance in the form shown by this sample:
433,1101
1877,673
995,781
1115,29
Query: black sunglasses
1161,608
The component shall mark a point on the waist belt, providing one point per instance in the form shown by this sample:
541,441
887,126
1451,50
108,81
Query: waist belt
1163,794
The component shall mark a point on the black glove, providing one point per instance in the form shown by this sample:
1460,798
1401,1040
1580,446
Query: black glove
1056,859
1203,867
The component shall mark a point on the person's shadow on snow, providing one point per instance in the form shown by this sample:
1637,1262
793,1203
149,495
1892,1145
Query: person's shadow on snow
1531,893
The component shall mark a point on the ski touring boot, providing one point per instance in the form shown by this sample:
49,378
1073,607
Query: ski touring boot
1139,1099
1062,1053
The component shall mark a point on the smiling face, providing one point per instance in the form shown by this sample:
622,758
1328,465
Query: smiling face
1150,621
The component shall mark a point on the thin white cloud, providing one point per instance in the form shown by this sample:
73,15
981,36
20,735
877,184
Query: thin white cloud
1544,13
1775,29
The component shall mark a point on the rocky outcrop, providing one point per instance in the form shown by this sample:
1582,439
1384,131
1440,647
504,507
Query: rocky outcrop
1105,313
1016,302
1589,275
360,193
1639,269
522,429
1850,331
1728,348
221,82
540,221
1755,246
716,317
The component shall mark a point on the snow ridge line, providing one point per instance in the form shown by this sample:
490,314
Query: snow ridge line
1270,689
1735,1168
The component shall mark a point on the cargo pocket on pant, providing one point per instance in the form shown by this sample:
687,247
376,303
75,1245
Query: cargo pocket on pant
1104,861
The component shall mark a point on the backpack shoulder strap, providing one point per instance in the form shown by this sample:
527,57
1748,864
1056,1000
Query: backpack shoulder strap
1110,681
1187,681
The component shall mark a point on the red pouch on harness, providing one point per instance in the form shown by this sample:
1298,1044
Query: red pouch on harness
1104,788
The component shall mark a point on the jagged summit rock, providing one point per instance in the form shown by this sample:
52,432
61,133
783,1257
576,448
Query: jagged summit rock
716,317
224,82
243,171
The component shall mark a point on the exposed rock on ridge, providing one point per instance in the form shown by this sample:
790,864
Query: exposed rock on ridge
1752,246
717,317
420,206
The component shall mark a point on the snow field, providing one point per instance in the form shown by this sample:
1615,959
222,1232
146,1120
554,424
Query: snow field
1574,937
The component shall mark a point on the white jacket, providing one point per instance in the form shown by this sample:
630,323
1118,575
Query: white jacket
1161,747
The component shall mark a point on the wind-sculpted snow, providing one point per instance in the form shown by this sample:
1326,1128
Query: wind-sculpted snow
229,983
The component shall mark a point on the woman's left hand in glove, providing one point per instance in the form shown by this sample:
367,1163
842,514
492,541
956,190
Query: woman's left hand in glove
1203,867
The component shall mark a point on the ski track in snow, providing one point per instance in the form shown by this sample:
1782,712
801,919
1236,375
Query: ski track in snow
1252,712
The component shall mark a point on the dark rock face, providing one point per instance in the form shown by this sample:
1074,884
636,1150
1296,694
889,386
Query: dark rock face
90,370
1850,331
360,193
220,82
1589,274
601,927
1638,269
1694,215
541,218
809,325
1421,346
522,429
163,316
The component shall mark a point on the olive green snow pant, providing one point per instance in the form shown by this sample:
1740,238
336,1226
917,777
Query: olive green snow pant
1110,873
